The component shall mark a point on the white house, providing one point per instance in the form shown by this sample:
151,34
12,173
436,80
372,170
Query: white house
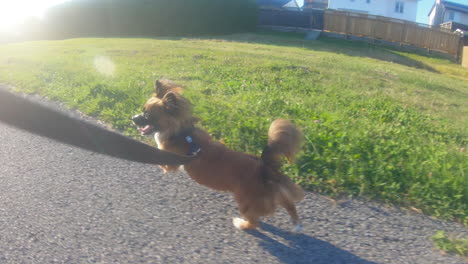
445,11
399,9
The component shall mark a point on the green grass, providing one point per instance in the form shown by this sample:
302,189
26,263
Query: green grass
378,122
451,244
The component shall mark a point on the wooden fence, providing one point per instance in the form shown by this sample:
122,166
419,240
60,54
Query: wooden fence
464,59
393,30
368,26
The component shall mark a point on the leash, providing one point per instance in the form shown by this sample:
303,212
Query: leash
37,118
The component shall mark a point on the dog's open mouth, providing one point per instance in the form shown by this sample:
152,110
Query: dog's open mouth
143,124
146,130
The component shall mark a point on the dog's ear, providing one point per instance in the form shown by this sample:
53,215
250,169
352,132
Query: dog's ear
163,86
159,89
170,101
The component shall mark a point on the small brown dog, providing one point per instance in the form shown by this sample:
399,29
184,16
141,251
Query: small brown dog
256,182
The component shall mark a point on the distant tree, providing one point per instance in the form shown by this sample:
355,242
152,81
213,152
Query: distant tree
84,18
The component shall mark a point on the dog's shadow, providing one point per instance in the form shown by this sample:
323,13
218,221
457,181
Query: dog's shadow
301,248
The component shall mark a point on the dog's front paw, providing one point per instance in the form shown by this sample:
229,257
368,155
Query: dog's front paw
238,222
163,168
167,168
242,224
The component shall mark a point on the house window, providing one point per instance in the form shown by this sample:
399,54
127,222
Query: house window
399,7
451,15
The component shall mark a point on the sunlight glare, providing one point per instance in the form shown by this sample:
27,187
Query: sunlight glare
13,12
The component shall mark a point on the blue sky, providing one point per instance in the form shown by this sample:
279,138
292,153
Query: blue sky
424,7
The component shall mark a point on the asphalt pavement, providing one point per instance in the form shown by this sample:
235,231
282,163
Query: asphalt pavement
61,204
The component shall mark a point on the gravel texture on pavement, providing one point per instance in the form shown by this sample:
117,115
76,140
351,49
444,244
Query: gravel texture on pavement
61,204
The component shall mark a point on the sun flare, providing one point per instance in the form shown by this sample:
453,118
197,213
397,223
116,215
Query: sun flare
13,12
104,65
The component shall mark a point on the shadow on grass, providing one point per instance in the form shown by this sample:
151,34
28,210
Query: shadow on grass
328,44
362,49
301,248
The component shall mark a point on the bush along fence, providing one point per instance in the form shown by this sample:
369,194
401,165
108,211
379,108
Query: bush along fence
309,18
376,28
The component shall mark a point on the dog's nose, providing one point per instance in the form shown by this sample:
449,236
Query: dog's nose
140,120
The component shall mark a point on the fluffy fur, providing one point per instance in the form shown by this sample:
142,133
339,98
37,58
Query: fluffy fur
256,182
163,86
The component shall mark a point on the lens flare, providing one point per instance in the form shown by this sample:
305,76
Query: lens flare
104,66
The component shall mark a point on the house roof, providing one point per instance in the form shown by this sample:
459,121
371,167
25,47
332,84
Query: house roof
452,6
292,4
274,3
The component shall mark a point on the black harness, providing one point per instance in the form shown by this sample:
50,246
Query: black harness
194,148
186,134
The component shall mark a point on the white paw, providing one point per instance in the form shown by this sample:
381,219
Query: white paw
297,228
237,222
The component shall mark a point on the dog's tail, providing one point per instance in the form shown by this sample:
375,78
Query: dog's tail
284,140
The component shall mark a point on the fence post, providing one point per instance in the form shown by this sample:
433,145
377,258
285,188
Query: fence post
347,28
460,50
403,33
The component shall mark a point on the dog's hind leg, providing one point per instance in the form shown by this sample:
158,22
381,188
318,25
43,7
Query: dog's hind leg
291,209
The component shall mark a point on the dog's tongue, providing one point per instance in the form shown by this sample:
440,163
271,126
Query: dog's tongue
145,130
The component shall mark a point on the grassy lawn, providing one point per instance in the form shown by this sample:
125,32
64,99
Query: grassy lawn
451,245
378,122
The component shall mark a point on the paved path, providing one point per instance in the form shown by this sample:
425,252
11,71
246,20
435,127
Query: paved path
60,204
